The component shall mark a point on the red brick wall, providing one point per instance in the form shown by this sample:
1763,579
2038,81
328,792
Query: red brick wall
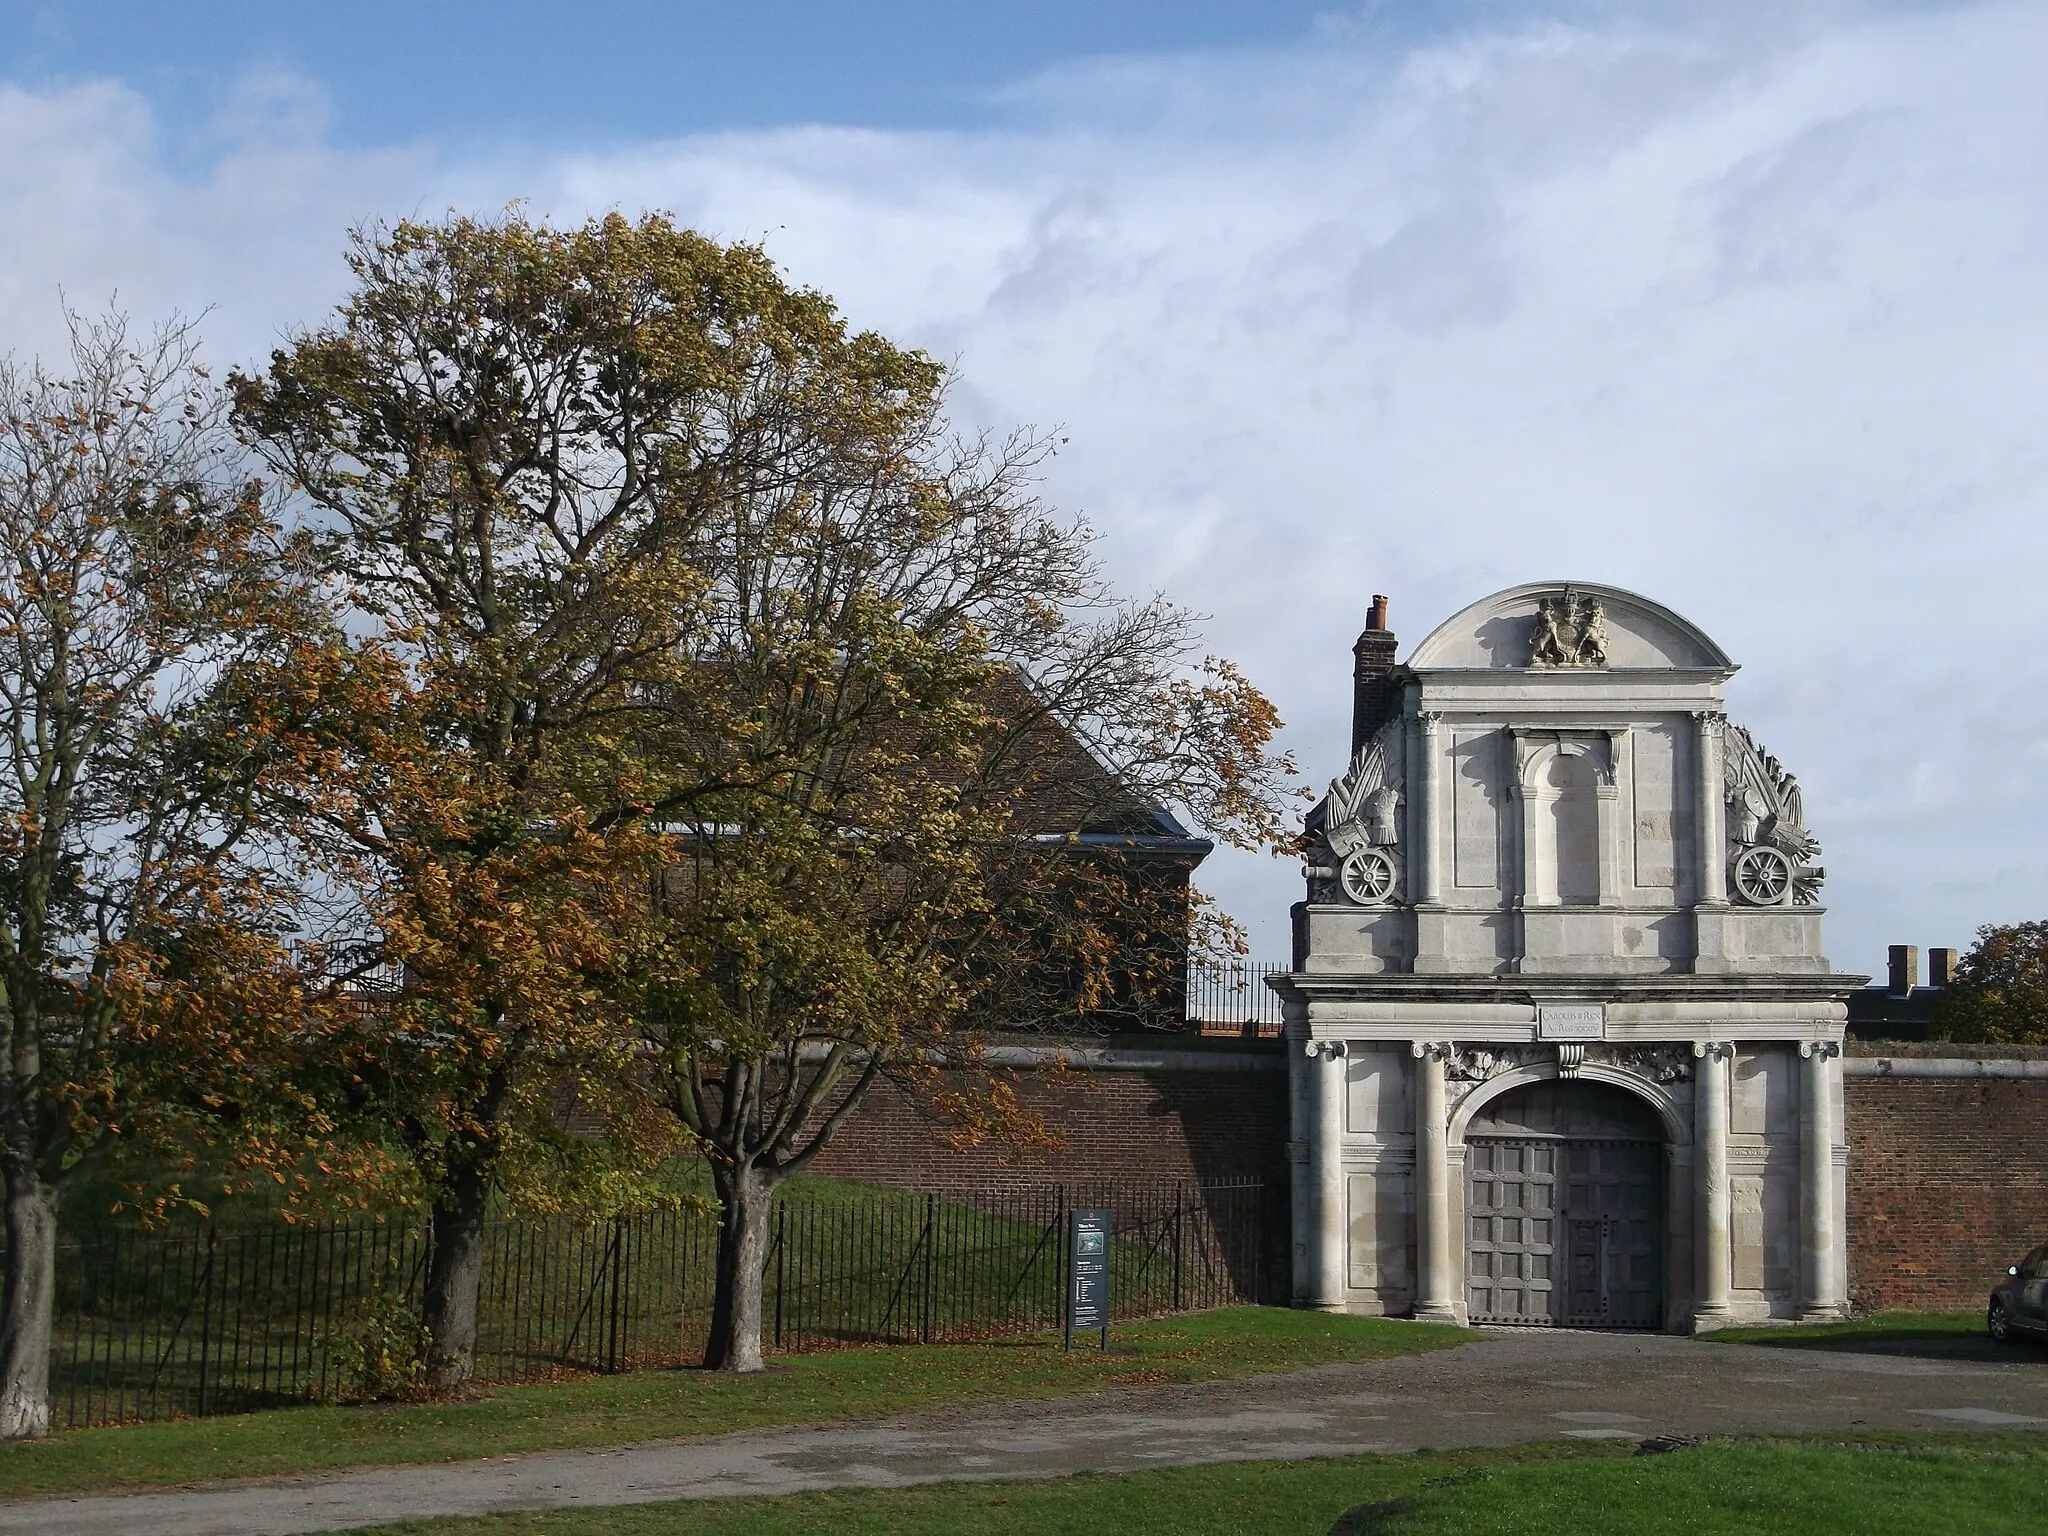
1151,1126
1948,1179
1948,1184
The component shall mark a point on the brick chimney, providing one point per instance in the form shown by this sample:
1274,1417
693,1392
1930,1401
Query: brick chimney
1374,694
1941,967
1905,968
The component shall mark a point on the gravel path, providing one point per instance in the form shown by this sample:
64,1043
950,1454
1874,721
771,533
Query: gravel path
1504,1388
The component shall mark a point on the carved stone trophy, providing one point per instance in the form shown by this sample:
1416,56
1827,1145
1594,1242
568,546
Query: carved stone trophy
1770,852
1359,824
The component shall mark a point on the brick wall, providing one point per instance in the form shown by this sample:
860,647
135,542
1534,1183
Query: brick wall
1948,1181
1151,1126
1114,1127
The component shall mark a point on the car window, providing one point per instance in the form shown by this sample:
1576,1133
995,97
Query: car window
2035,1265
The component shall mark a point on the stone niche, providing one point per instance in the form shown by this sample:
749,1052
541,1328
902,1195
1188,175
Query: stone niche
1553,859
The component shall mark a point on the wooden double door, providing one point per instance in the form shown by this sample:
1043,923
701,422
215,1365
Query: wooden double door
1564,1232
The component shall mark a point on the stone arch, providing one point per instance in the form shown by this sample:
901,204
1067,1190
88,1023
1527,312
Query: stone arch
1676,1121
1565,1201
1494,632
1542,753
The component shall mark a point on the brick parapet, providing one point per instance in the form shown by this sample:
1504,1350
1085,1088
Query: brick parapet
1945,1050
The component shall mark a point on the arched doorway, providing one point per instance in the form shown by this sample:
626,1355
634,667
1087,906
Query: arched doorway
1564,1208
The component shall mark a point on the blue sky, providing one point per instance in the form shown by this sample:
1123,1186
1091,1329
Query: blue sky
609,71
1738,304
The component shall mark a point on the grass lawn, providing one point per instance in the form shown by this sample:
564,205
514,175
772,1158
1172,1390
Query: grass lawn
1879,1328
857,1383
1931,1484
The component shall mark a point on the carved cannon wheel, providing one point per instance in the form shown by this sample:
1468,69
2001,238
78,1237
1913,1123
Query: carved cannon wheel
1368,876
1763,876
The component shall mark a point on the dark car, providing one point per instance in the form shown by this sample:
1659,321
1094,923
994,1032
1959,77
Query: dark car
2019,1303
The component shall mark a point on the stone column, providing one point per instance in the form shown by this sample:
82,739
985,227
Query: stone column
1819,1237
1710,810
1613,828
1436,1294
1712,1248
1428,805
1328,1240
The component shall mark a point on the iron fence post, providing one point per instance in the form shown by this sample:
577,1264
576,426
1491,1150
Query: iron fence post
618,1291
931,1213
1176,1245
1259,1241
206,1316
1059,1201
781,1263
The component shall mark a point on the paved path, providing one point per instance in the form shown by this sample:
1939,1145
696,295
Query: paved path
1503,1389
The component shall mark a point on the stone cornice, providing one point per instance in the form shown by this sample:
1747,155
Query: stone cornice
1397,986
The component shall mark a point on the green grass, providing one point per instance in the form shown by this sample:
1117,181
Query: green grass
1930,1484
857,1383
1876,1329
1926,1487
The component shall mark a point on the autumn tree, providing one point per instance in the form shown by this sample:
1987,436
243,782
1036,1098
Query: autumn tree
704,691
522,447
1999,993
946,751
142,579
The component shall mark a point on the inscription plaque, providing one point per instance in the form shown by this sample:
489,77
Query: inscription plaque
1576,1022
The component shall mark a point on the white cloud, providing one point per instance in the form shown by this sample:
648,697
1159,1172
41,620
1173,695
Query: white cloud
1749,320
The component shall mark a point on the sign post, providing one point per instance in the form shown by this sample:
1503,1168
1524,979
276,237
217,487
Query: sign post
1087,1274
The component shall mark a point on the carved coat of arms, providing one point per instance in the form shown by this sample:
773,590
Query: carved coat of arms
1570,630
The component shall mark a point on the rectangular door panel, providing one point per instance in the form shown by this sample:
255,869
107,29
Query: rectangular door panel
1511,1219
1614,1197
1564,1232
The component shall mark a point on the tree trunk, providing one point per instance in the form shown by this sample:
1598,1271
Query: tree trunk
735,1342
455,1272
27,1305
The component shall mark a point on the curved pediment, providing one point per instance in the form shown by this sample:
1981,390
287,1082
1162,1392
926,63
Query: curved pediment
1576,625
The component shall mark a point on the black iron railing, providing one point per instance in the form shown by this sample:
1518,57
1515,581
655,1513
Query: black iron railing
157,1325
1233,998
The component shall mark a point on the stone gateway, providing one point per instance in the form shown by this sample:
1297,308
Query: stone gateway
1564,1048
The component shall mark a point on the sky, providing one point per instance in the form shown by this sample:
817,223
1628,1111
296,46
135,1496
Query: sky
1741,306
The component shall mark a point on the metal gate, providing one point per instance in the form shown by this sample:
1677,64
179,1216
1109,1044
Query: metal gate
1564,1232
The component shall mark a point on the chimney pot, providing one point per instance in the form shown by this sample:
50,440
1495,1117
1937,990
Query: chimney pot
1905,967
1374,698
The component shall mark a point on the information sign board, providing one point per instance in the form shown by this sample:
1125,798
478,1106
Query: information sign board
1087,1274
